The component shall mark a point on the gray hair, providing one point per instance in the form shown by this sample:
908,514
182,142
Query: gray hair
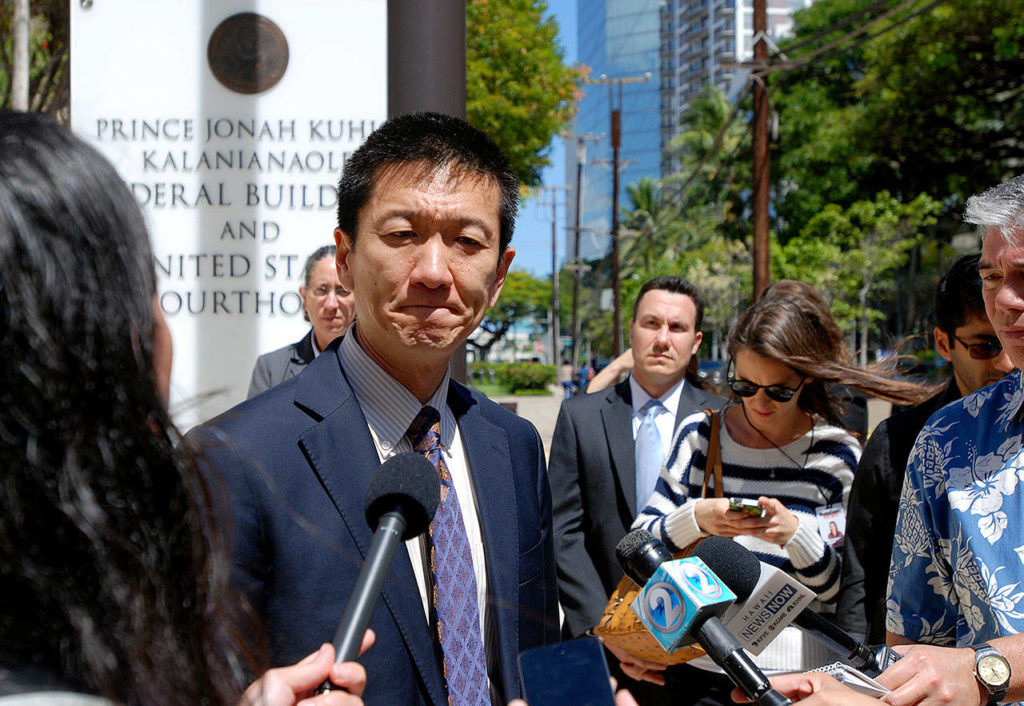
311,262
1001,207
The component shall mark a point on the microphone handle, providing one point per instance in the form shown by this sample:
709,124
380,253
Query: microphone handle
883,657
723,648
871,660
366,591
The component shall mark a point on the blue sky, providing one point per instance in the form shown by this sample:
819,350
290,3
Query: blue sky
533,229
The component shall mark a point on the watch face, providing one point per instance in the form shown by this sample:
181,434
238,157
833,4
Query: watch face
993,669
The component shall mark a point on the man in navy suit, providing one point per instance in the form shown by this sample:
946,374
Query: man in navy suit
597,485
426,208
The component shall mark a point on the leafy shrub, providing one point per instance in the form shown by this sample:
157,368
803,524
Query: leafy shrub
528,376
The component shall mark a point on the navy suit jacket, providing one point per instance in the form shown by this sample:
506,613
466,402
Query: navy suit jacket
295,463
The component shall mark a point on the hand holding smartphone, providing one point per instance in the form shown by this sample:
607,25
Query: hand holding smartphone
751,507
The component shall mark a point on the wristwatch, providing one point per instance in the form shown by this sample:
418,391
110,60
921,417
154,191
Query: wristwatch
992,671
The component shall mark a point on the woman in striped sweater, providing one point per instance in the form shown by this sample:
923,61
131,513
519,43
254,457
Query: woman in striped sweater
782,447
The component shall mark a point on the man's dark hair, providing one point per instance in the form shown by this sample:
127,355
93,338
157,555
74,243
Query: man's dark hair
438,141
311,262
676,285
958,295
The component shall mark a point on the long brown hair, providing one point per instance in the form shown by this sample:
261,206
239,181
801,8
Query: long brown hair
792,324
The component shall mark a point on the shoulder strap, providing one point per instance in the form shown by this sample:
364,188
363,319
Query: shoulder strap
714,461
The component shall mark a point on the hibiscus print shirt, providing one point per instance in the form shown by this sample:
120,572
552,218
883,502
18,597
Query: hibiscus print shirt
957,572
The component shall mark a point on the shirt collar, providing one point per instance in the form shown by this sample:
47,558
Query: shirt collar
670,399
387,405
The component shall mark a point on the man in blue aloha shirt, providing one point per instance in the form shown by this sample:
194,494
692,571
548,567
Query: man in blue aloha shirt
957,573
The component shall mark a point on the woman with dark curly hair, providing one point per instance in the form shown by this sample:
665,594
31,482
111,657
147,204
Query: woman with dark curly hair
113,584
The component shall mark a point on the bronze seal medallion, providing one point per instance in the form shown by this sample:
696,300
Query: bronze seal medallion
248,53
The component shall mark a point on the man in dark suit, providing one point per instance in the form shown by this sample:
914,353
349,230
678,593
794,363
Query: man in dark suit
426,208
965,337
595,481
326,305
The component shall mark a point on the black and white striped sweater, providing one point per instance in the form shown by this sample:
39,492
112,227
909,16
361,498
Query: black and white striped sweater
831,455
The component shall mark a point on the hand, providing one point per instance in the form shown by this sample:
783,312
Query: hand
286,686
932,675
782,524
636,668
713,516
813,689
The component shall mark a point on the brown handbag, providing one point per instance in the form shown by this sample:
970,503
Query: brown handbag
620,626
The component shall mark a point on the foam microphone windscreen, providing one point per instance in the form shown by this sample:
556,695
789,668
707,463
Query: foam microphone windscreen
640,554
409,484
736,565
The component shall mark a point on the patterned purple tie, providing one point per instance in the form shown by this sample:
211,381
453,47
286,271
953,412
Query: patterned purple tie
451,571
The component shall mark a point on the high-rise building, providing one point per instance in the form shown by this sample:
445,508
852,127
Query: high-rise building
617,39
683,45
710,33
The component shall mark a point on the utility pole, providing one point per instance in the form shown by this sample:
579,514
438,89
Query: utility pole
577,267
760,258
556,333
19,72
616,134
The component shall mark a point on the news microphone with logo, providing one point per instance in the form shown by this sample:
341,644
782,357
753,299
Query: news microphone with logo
400,503
769,599
680,603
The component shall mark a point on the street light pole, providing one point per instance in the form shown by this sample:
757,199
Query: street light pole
577,264
760,248
616,133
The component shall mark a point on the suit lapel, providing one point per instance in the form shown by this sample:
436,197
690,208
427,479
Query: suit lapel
488,455
691,399
617,418
340,451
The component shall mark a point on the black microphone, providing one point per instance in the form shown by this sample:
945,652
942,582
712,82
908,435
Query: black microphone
638,552
740,570
400,503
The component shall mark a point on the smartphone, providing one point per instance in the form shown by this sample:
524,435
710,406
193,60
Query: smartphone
572,673
746,505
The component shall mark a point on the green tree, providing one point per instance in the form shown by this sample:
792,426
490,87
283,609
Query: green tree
518,88
650,229
928,100
48,52
523,297
859,250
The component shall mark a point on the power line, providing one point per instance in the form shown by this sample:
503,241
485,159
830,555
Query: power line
798,62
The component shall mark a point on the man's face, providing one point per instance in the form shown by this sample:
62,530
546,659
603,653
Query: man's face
425,265
329,306
972,373
664,338
1002,286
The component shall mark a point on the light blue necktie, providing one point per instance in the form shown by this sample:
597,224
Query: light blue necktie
648,454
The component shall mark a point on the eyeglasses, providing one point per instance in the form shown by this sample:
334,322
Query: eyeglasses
986,350
323,290
779,393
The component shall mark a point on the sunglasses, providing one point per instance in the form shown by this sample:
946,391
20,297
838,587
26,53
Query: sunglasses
779,393
986,350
